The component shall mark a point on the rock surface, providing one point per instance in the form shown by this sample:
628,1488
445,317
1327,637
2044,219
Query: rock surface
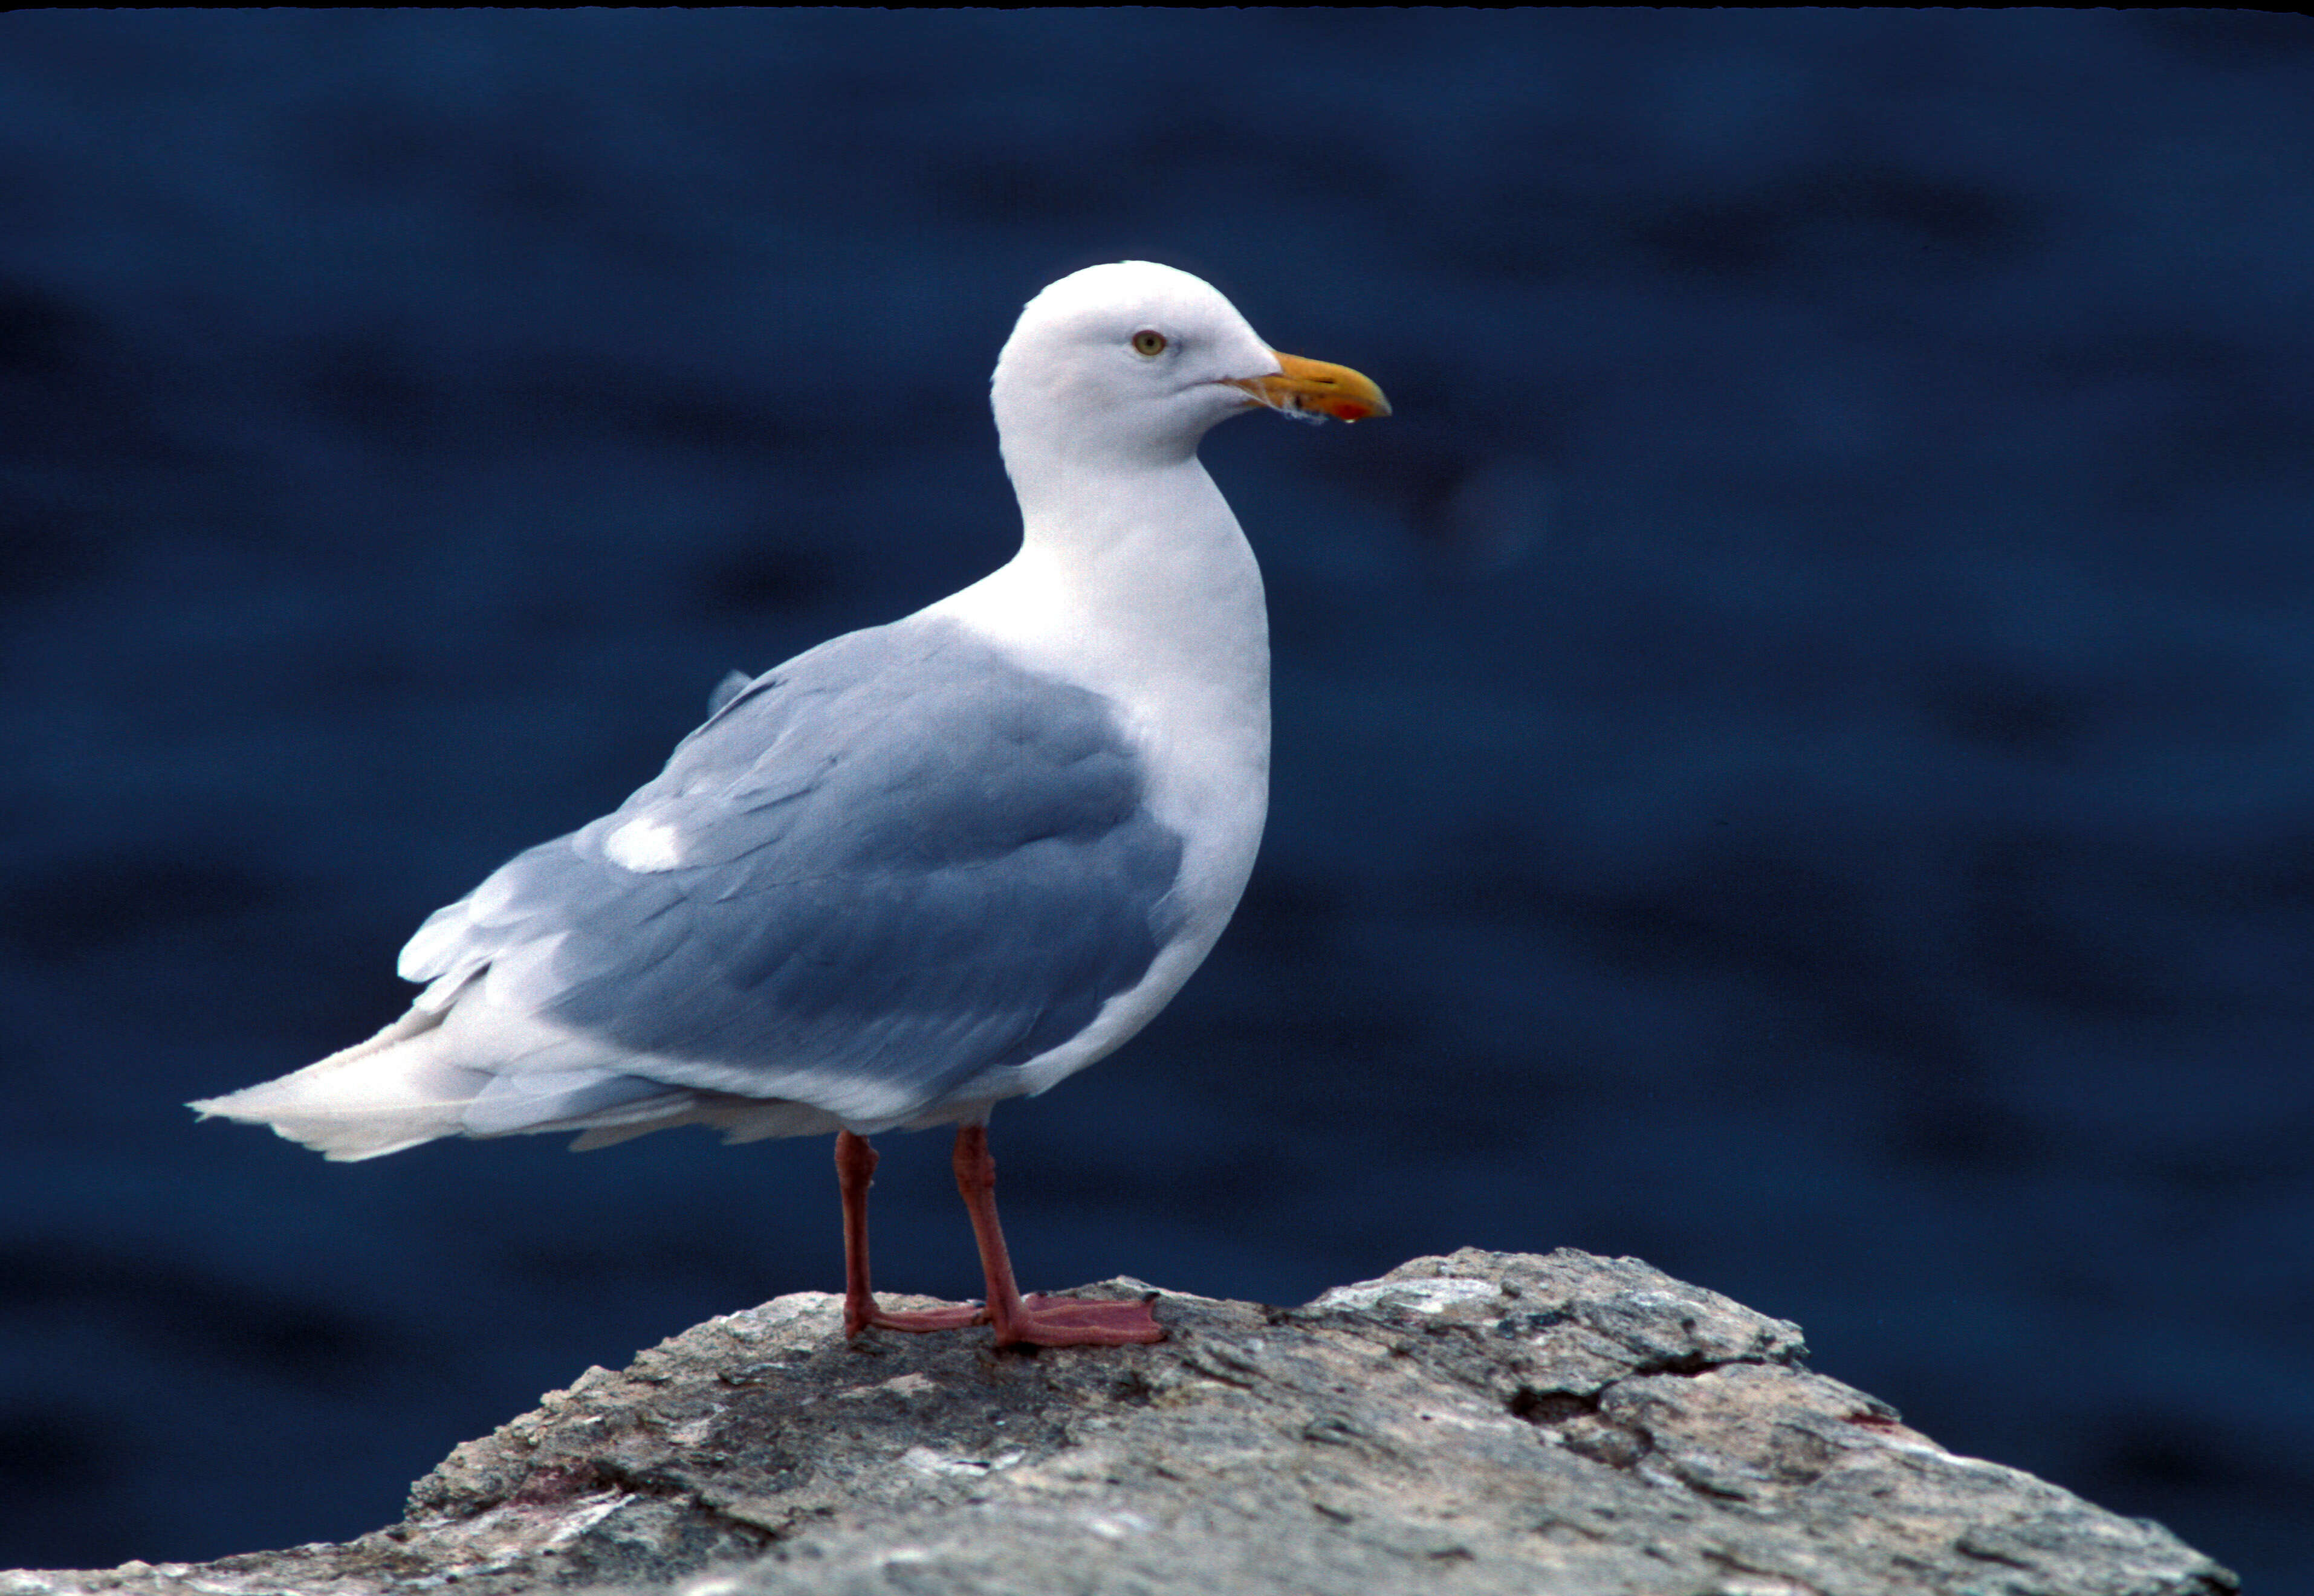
1486,1422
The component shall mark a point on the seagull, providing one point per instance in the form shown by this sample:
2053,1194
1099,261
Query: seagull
922,868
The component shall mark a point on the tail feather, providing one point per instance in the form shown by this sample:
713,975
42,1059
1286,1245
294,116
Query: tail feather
374,1098
427,1076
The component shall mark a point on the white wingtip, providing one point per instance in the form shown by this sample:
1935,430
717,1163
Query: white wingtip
374,1098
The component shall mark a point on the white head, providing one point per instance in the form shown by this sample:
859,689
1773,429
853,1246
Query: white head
1124,364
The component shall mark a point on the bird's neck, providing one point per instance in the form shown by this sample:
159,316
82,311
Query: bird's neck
1137,583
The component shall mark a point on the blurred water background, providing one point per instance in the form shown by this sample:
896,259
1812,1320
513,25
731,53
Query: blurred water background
1796,746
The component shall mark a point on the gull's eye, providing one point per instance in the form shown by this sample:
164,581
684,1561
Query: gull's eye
1149,342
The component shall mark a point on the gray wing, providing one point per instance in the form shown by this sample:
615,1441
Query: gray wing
898,857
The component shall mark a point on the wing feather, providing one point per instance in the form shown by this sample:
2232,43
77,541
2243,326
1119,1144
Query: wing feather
884,867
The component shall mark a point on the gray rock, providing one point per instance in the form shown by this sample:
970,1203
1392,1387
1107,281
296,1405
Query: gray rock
1487,1421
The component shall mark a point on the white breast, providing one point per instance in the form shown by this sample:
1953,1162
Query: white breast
1159,611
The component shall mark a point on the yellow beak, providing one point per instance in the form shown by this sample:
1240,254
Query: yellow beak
1317,387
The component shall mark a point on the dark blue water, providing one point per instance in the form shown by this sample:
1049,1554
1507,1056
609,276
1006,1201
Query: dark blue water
1796,751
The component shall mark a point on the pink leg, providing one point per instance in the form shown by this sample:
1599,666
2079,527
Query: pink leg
1039,1320
856,1171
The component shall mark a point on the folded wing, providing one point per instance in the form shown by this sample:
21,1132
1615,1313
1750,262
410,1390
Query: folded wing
887,867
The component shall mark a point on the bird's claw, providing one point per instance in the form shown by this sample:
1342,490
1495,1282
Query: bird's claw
1066,1321
916,1321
